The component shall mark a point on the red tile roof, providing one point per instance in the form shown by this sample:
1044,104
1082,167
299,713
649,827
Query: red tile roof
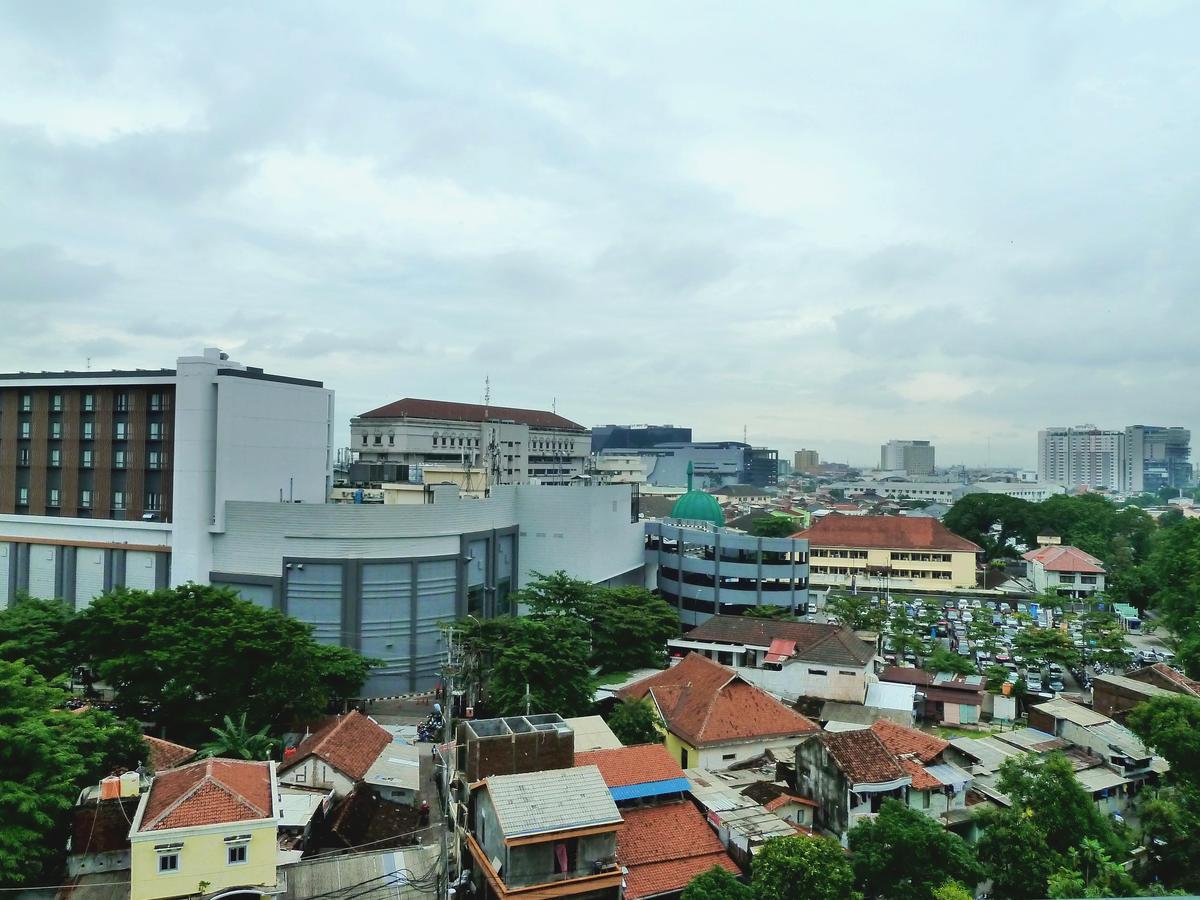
1168,677
411,407
921,780
1065,558
785,799
166,755
349,743
664,847
208,792
639,764
904,741
886,533
862,756
706,703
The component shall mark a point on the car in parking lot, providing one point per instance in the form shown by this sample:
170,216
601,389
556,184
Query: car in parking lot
1056,684
1002,657
1033,682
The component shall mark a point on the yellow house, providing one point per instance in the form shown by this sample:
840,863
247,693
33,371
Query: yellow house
892,553
206,828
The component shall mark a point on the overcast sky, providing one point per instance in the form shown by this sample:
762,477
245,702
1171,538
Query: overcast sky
833,225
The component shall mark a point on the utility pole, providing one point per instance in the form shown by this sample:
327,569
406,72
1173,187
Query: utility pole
450,670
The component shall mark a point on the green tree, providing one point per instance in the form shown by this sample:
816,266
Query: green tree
903,630
1170,830
1009,835
996,676
716,884
855,611
1171,726
1174,567
974,517
46,756
38,631
952,890
236,741
628,626
802,868
636,722
942,660
1045,790
543,667
1049,644
985,635
1090,872
772,526
188,655
903,854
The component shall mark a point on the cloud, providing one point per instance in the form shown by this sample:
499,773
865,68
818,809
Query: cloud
828,227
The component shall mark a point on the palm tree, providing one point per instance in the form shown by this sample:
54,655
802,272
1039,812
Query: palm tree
235,742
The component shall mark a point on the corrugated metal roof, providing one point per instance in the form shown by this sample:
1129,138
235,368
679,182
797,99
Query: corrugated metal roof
949,774
390,870
1072,712
1099,779
553,800
650,789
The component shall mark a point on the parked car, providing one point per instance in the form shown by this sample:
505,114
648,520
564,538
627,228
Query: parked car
1002,657
1034,682
976,603
1056,684
967,617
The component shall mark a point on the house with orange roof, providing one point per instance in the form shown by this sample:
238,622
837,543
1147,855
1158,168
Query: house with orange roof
714,718
1064,570
337,756
206,827
165,754
889,553
665,841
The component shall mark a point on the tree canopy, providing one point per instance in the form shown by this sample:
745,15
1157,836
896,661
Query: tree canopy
236,741
802,868
628,627
47,755
855,611
903,854
635,721
1171,726
187,656
772,526
548,657
716,884
36,631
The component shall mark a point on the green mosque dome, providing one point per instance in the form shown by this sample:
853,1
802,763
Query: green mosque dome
698,506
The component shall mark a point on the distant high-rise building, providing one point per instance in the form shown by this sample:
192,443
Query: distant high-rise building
1157,456
911,457
762,466
637,437
806,461
1083,455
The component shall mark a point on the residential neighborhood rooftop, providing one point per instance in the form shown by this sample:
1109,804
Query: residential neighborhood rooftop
705,702
551,800
904,741
165,754
666,846
862,756
1065,558
638,764
415,408
834,644
349,743
207,792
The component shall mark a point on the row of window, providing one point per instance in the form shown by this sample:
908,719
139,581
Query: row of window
922,557
839,554
155,459
894,573
122,431
158,402
236,854
54,499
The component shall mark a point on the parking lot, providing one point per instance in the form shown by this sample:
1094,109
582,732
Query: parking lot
984,630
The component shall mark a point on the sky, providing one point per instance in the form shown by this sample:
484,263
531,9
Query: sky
828,224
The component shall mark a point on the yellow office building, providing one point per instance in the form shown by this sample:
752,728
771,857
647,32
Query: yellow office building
206,828
891,553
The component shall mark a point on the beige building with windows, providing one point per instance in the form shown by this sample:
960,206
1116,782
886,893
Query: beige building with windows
889,553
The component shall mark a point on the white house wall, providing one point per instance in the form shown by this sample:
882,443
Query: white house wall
41,571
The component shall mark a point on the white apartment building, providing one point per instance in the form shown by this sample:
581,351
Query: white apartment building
1082,455
910,457
514,446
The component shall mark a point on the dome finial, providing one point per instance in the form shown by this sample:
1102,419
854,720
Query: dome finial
690,470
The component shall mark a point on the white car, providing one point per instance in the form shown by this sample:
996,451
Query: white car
976,603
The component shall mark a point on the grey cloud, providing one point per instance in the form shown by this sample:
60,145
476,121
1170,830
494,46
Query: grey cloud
41,273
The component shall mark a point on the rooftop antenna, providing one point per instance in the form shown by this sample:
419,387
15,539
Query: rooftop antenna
487,393
554,405
744,441
89,364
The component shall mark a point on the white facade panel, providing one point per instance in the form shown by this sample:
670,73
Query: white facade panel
5,562
41,571
139,570
89,575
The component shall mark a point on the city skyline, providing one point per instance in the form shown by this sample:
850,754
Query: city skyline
825,226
